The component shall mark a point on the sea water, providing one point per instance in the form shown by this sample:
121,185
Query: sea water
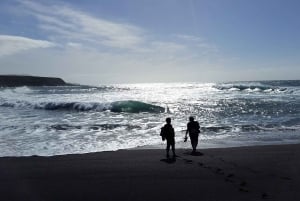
80,119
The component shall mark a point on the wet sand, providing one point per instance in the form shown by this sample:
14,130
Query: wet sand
229,174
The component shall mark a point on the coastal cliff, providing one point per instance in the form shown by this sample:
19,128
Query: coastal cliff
23,80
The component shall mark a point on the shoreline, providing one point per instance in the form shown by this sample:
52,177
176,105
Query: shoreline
240,173
187,145
162,146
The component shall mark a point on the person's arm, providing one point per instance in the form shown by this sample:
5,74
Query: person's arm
187,131
198,125
173,131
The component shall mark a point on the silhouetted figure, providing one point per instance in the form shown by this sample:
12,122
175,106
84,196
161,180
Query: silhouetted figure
193,129
167,132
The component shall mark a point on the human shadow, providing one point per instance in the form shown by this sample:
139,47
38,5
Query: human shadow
197,153
170,160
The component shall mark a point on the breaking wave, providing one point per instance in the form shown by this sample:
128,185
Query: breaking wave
251,128
285,83
135,107
62,127
128,106
72,89
250,88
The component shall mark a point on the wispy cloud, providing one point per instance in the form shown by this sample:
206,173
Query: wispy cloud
199,42
190,38
70,24
14,44
102,49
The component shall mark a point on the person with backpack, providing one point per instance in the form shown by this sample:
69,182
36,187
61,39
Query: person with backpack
167,133
193,129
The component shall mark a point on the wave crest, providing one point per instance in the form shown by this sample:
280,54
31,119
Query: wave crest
135,107
128,106
249,88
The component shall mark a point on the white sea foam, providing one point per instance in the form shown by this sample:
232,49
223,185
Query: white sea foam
79,119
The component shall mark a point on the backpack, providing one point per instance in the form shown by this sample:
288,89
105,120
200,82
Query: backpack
163,133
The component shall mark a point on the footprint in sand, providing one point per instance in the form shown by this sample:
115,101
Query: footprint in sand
219,171
264,196
204,166
207,167
229,180
188,161
244,190
243,183
285,178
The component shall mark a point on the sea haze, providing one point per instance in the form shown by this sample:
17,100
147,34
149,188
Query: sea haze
81,119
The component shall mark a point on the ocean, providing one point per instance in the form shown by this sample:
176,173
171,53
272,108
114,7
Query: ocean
80,119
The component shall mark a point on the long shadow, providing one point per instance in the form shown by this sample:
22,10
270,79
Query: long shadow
169,160
197,153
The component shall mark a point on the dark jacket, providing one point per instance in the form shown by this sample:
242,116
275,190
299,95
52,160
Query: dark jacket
193,128
168,131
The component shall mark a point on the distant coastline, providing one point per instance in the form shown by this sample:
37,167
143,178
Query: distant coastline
25,80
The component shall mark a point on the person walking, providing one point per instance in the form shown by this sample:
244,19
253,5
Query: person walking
193,129
167,132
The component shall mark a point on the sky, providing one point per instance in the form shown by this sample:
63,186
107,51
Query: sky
136,41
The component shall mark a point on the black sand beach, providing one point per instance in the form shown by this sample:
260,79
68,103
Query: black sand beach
244,173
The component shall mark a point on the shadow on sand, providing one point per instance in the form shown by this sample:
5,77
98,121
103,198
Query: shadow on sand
194,153
169,160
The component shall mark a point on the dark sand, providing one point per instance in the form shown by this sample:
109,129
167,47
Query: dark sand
246,173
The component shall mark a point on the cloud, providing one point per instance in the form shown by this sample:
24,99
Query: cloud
68,25
73,25
190,38
14,44
93,50
199,42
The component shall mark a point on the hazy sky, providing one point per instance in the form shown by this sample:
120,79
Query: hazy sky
127,41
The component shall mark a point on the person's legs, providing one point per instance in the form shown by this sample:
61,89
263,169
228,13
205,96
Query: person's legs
194,145
168,148
173,147
194,142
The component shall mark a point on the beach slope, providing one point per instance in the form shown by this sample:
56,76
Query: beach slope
245,173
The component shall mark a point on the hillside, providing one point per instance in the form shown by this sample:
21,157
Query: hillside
23,80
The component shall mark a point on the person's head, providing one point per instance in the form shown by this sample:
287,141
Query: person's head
191,118
168,120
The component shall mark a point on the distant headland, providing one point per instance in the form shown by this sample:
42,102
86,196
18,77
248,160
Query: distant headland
25,80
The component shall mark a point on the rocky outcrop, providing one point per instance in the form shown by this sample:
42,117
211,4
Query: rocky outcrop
23,80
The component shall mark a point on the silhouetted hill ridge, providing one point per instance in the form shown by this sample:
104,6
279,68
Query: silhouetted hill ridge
25,80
